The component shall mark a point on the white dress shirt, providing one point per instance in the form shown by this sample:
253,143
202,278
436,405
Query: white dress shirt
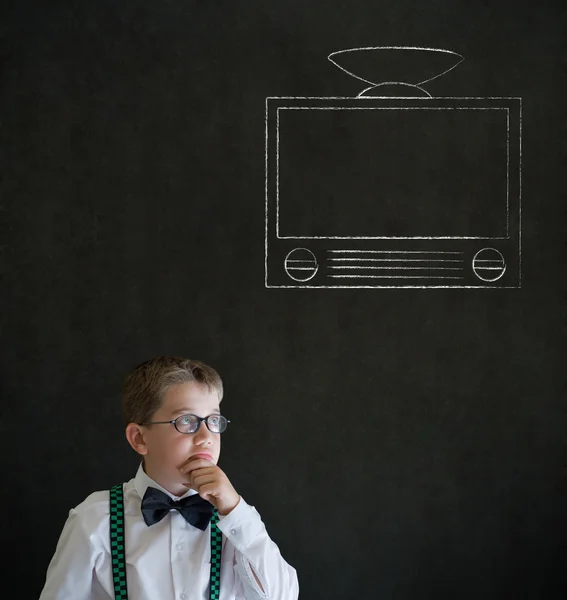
169,560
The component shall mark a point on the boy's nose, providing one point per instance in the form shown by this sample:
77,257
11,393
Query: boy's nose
202,431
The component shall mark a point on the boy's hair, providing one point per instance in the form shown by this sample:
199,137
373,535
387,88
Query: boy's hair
144,388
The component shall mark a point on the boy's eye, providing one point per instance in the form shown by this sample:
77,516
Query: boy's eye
186,420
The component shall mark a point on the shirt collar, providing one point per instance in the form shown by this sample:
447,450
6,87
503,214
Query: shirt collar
142,481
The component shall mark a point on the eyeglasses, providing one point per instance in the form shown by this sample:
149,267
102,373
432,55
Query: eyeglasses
191,423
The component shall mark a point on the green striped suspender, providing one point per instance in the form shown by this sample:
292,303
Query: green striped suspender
117,548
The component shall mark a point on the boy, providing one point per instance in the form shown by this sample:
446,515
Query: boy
179,521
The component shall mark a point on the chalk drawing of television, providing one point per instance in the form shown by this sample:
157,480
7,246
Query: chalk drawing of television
393,188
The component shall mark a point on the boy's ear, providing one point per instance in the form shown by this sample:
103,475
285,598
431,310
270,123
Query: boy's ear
135,437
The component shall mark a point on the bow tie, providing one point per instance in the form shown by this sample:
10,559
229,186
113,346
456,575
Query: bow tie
195,510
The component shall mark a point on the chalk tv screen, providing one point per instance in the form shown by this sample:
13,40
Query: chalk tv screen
349,172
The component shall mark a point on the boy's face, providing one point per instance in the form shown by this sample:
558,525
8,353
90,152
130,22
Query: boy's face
166,449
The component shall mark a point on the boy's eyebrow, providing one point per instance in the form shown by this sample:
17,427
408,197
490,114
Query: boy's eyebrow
185,411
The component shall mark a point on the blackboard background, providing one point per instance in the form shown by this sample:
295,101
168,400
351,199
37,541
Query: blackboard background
400,444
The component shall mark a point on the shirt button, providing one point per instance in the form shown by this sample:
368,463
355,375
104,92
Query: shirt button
179,547
183,596
233,531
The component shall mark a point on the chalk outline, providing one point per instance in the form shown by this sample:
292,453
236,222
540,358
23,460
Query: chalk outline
429,266
286,261
395,48
398,251
375,287
390,237
503,261
393,277
373,87
402,268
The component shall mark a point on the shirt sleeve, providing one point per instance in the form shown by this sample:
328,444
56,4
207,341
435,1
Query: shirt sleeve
71,570
255,550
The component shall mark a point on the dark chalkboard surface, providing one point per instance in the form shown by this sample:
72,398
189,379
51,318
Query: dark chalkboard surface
398,443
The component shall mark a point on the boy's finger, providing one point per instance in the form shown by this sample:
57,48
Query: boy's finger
196,463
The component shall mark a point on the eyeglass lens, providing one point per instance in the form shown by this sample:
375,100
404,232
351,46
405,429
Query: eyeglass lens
190,423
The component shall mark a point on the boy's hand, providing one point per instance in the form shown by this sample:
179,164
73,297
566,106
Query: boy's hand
211,483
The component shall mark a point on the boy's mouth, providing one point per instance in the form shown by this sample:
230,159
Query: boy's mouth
205,455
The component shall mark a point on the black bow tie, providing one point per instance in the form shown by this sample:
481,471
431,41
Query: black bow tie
195,510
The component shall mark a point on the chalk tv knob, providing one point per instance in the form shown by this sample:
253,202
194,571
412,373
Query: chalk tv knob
301,264
488,264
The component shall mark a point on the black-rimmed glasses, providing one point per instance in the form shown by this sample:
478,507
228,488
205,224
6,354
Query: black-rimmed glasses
191,423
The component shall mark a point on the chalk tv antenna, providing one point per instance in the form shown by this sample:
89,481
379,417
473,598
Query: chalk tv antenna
395,71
